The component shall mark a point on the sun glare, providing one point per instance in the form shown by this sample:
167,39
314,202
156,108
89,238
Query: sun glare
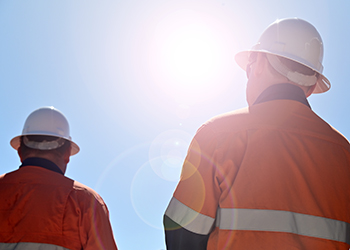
188,55
191,55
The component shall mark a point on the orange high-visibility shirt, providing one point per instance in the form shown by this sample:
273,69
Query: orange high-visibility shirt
42,209
271,176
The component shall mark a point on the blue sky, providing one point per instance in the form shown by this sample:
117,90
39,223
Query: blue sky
137,78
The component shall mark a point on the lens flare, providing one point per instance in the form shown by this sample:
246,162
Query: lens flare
149,196
167,153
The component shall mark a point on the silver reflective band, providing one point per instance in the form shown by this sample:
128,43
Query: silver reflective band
283,221
188,218
29,246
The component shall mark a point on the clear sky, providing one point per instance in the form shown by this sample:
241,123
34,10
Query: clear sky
137,78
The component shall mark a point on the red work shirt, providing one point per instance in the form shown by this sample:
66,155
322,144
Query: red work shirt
43,209
271,176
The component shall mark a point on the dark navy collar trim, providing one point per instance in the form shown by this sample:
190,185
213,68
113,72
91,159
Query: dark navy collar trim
283,91
40,162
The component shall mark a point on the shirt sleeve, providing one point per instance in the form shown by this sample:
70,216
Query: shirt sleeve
177,237
191,213
96,230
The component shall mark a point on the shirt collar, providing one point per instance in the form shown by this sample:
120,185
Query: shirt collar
41,162
283,91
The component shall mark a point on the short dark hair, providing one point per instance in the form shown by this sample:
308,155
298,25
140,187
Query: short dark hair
40,138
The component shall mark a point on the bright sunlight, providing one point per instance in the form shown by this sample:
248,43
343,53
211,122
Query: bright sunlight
188,57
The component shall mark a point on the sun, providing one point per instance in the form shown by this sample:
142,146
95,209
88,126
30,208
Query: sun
188,55
191,55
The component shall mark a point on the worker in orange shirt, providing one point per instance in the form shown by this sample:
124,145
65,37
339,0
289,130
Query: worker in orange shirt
40,208
273,175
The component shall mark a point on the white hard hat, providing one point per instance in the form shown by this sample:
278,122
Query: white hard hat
46,121
294,39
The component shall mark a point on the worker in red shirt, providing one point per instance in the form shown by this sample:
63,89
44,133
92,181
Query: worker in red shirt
273,175
40,208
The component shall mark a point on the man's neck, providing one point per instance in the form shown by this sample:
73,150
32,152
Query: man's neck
282,91
42,162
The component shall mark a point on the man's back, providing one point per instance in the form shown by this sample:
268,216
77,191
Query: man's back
293,162
41,206
272,174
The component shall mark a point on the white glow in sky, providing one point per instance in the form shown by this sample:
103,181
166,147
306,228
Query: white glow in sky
189,50
189,55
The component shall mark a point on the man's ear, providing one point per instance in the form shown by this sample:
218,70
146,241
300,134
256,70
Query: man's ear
19,152
260,64
66,155
310,90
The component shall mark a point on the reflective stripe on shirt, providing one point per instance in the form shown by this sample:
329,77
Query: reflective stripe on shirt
188,218
30,246
283,221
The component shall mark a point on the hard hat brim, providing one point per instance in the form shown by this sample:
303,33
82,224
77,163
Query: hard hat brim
242,59
16,142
